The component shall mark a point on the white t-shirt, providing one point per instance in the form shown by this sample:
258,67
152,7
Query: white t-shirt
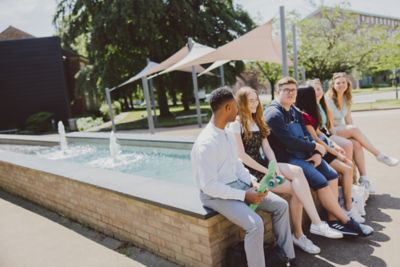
215,164
236,127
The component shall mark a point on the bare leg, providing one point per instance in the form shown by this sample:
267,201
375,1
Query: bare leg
301,190
330,203
352,131
347,180
295,207
359,157
344,143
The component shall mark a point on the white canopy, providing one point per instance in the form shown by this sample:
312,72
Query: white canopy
197,51
215,65
143,73
254,45
153,67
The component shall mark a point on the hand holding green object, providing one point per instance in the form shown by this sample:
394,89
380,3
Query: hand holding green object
269,181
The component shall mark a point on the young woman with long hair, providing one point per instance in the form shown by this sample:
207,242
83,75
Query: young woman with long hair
345,146
306,101
339,100
251,131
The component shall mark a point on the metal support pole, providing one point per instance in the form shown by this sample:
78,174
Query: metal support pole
395,83
222,74
295,68
110,110
195,87
153,103
148,104
303,74
285,70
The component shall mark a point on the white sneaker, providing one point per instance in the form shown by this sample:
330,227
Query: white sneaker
353,213
360,196
387,160
323,229
306,244
367,184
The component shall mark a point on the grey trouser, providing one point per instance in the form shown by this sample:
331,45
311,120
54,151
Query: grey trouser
240,214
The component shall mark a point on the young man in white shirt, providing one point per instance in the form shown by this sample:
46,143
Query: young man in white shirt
227,187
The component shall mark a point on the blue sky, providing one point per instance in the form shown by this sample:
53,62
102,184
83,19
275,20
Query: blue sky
35,16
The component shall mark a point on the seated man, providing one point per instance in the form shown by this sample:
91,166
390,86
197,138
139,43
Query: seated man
227,187
293,144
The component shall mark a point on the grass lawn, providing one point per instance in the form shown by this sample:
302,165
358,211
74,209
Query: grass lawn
380,104
137,119
373,90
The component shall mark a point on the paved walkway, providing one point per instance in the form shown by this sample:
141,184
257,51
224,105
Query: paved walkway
30,240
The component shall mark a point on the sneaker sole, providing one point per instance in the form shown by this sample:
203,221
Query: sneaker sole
331,237
309,252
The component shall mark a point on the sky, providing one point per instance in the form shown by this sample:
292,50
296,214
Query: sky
35,16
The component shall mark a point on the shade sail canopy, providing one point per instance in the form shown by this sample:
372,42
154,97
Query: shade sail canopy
143,73
215,65
153,67
197,51
254,45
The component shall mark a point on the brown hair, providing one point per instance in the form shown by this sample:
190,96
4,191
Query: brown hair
332,92
246,116
285,80
324,106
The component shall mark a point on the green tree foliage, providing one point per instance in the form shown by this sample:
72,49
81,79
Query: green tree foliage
389,57
121,34
264,71
335,41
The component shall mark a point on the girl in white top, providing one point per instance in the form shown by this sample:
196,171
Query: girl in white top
250,131
339,98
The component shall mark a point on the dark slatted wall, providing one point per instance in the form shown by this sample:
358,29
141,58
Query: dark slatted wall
31,80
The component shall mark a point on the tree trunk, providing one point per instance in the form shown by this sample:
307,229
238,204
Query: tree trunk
162,99
185,87
131,101
173,94
125,103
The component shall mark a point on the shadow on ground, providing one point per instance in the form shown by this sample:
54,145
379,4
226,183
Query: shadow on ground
348,250
126,248
334,252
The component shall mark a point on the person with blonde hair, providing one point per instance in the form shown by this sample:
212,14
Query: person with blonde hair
339,100
251,131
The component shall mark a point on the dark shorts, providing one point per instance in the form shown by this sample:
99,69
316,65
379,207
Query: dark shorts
329,157
317,177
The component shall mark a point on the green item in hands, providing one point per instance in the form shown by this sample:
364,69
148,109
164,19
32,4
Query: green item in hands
269,181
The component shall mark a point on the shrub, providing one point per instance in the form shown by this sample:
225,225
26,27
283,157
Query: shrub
88,122
39,122
116,106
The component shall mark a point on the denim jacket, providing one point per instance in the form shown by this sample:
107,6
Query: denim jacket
289,137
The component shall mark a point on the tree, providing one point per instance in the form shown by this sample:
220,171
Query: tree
389,57
121,34
334,41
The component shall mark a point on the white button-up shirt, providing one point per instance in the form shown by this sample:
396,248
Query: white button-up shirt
215,164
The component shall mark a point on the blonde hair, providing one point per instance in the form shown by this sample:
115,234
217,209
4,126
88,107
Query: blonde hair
332,92
246,117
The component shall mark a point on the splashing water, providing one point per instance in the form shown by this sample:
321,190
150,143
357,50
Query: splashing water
115,148
63,140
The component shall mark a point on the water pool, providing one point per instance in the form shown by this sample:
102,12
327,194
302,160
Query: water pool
167,164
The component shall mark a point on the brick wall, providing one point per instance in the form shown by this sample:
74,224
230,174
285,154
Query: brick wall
181,238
